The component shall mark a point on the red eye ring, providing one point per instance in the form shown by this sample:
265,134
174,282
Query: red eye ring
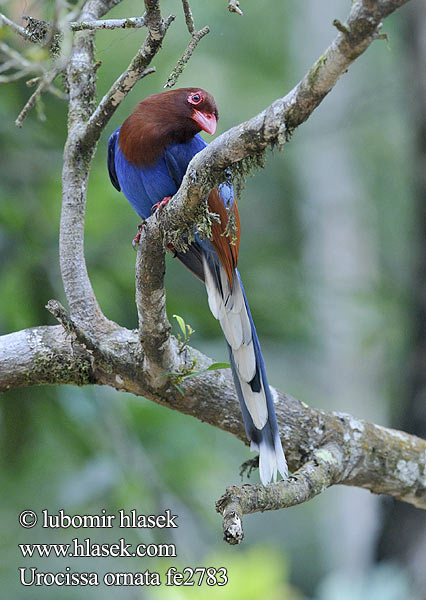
195,98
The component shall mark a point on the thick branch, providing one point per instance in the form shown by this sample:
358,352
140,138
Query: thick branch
160,349
347,450
85,127
81,80
41,355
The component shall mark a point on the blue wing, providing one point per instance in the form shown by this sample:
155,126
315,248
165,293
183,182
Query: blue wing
145,186
113,140
178,156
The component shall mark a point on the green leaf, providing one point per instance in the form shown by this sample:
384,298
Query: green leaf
217,366
213,367
181,323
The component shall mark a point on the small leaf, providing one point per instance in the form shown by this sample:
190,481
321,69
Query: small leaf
181,323
213,367
218,365
180,389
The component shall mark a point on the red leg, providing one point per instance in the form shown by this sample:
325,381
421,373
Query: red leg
137,237
157,207
160,205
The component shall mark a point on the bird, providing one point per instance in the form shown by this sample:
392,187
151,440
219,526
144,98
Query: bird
147,160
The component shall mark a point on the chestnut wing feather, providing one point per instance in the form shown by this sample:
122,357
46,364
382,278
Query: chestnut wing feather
226,243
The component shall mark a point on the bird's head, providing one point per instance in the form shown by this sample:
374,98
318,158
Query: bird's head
202,107
174,116
187,110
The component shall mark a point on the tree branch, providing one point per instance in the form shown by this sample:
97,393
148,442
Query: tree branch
41,355
311,479
84,128
81,78
128,23
160,348
15,27
196,37
189,20
45,82
326,447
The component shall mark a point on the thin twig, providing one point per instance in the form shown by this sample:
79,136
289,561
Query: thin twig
340,27
16,28
14,55
103,357
177,71
234,7
61,315
24,68
13,76
188,16
6,66
129,23
44,84
324,470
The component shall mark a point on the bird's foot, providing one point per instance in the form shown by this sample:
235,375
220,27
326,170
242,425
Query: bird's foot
160,205
137,237
248,466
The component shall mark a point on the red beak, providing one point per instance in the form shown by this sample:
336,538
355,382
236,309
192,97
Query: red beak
206,122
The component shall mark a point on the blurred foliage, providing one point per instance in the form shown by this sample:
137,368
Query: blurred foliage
87,449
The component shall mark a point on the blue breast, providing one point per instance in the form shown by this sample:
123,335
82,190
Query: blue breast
145,186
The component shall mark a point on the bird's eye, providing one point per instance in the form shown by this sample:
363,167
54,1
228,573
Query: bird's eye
195,99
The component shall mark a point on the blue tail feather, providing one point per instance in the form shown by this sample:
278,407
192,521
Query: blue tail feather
266,440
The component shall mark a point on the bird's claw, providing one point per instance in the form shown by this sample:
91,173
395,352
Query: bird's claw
158,207
137,237
155,209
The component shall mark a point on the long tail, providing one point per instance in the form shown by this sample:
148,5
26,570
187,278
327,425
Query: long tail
230,307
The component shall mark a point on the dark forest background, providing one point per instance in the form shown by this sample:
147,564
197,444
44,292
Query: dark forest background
332,258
